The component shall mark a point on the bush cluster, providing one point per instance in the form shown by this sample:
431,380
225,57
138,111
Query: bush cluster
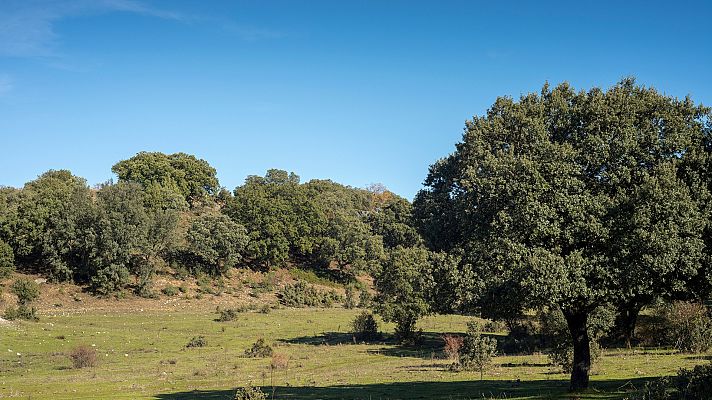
689,384
686,326
21,312
364,327
83,356
250,393
227,314
26,291
170,291
301,294
197,341
259,349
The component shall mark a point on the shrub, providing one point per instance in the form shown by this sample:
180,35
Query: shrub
695,383
364,327
259,349
21,312
7,260
279,361
687,326
350,300
364,299
477,350
301,294
197,341
453,344
170,290
658,389
405,332
109,279
250,393
228,314
689,384
83,356
26,291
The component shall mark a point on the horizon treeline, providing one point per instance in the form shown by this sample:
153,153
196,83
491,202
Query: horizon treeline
169,210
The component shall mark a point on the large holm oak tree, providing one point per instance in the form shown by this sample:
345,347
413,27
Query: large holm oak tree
570,199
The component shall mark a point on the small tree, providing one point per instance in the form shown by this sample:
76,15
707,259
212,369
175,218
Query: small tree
402,286
26,291
365,327
477,350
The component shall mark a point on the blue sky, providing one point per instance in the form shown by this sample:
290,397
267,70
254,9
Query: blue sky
358,92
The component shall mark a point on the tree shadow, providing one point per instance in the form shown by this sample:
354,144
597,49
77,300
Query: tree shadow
328,338
524,364
429,345
530,390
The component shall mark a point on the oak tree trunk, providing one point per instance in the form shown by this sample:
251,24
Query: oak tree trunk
582,351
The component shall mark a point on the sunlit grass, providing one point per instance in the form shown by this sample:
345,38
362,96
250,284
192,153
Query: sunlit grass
142,355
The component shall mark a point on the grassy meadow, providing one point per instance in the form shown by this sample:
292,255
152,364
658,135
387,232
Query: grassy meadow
142,355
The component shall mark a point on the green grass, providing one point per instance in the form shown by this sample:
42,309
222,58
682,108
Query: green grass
142,355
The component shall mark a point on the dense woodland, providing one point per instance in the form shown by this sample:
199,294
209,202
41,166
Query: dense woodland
580,208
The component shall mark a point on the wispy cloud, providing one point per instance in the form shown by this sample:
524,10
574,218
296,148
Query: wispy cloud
27,26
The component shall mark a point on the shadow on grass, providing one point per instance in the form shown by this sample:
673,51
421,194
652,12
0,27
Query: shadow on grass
430,345
532,390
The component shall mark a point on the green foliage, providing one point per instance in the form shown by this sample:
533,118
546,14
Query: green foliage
120,232
364,327
573,199
402,286
695,383
278,216
364,298
170,290
301,294
349,242
477,350
394,223
658,389
227,314
214,244
321,222
52,225
197,341
349,298
26,291
7,260
249,393
689,384
259,349
109,279
21,312
169,177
